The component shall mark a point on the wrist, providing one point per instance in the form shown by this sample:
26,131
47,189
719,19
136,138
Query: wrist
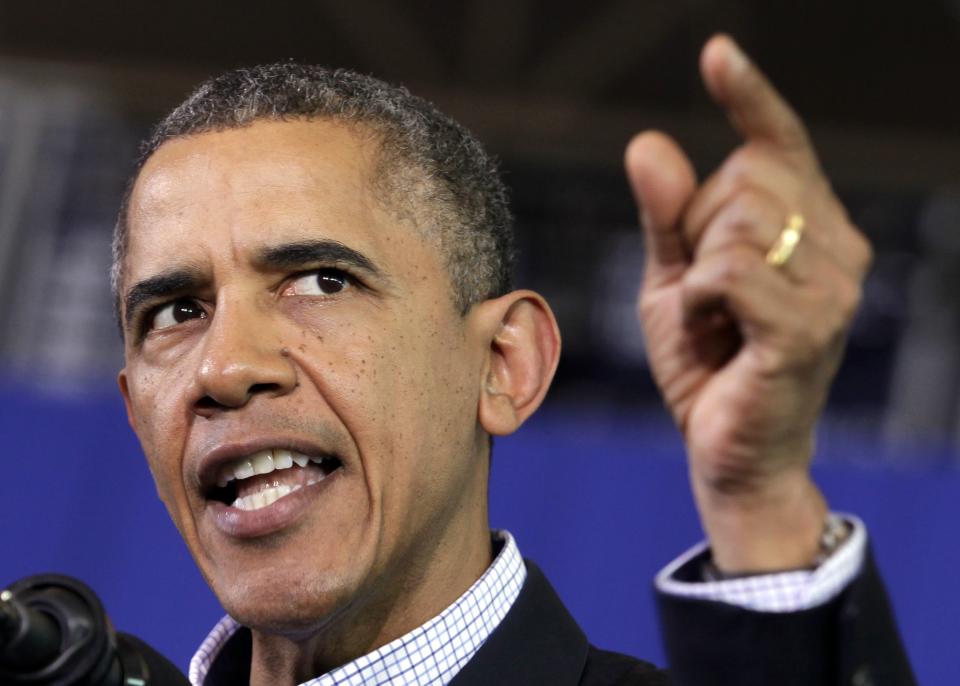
754,531
835,533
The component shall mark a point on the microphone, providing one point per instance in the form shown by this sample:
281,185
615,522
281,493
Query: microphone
54,631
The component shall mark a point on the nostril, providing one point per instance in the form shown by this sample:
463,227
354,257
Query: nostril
263,388
207,404
232,394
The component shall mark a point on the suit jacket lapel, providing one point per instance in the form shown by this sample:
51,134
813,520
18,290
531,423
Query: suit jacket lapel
538,642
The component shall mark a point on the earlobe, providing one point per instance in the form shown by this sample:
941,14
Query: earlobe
127,402
522,355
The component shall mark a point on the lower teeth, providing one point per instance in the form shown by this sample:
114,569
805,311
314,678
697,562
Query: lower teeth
268,496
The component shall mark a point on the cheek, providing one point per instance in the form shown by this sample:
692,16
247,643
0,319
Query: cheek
400,380
428,408
159,426
353,350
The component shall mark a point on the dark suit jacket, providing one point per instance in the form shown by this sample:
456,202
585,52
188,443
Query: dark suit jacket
851,641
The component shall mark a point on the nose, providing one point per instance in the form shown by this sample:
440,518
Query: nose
242,358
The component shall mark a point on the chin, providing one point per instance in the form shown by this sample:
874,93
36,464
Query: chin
284,606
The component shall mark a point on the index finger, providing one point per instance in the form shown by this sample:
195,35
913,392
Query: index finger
754,106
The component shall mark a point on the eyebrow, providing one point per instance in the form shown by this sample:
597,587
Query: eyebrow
159,287
303,253
286,256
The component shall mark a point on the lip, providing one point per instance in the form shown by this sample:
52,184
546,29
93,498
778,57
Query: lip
282,514
210,465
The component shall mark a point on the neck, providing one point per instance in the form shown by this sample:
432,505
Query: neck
390,611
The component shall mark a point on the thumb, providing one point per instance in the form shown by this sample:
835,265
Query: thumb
663,181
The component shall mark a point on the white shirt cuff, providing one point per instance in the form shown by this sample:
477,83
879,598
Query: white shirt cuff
780,592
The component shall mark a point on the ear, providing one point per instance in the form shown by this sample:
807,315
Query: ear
523,348
127,403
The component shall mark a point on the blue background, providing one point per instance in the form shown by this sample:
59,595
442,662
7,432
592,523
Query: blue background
598,499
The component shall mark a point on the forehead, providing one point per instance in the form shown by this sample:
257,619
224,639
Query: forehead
264,183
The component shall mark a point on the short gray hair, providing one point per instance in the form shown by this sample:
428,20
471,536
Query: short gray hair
431,168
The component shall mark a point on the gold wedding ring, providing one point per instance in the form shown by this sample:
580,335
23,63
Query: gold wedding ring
786,243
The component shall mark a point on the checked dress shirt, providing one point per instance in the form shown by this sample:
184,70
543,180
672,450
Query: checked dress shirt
432,654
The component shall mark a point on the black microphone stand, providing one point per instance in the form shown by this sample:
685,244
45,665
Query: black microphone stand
54,631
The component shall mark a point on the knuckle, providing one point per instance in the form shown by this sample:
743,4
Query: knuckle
740,165
793,135
735,266
774,359
743,213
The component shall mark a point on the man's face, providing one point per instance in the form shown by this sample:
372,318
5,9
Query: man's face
279,312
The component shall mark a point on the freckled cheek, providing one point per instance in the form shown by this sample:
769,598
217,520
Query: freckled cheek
391,372
428,389
340,338
158,407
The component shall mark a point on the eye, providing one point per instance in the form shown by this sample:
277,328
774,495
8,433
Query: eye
174,313
320,282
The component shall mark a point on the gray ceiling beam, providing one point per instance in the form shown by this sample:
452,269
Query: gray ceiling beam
573,131
568,132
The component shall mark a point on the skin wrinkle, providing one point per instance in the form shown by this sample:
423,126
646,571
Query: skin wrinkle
398,188
402,530
165,285
406,191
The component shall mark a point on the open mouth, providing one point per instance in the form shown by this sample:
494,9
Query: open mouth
260,480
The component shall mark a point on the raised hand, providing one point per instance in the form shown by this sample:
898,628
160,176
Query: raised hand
744,349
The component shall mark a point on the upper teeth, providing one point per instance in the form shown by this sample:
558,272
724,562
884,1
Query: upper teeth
264,462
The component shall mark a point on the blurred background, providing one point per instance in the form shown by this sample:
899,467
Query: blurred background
594,488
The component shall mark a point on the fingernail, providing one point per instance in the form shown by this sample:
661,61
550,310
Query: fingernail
738,58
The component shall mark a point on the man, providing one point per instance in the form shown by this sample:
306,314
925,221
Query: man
312,273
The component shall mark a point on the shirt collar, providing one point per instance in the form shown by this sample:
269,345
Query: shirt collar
432,654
